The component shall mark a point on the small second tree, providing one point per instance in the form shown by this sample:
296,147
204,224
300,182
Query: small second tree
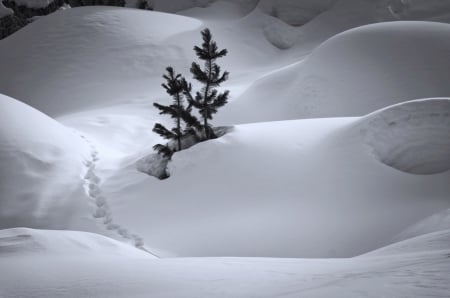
209,99
176,111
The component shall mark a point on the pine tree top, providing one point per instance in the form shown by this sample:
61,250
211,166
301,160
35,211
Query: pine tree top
209,49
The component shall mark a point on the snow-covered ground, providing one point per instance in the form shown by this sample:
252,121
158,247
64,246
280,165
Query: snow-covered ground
286,204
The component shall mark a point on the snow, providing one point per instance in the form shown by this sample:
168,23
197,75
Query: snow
413,137
34,154
33,3
352,74
302,206
244,217
25,242
107,55
413,268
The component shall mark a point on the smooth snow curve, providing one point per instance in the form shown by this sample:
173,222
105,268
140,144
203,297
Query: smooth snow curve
352,74
45,243
40,167
413,137
91,56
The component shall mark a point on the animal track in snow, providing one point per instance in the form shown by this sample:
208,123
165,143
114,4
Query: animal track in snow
102,210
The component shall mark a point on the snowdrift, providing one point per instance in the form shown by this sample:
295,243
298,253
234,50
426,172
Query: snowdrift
413,137
413,268
53,243
352,74
92,56
41,162
303,188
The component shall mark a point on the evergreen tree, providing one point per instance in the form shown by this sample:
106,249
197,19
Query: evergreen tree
176,110
208,100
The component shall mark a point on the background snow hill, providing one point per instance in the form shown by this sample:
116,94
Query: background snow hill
86,57
343,183
352,74
91,56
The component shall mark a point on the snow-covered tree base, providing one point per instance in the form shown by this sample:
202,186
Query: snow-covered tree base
156,164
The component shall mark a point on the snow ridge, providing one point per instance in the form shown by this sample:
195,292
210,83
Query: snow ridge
103,212
413,137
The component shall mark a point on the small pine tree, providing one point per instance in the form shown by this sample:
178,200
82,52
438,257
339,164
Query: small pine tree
176,110
208,100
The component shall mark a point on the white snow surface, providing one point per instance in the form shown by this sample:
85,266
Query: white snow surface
354,73
284,180
413,268
413,137
25,242
294,188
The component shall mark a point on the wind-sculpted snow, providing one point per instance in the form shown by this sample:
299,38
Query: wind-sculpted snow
74,264
91,56
437,222
42,243
40,166
352,74
413,137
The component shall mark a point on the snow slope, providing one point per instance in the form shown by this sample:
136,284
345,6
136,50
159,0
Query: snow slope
336,187
413,137
413,268
41,163
317,175
26,242
353,73
90,56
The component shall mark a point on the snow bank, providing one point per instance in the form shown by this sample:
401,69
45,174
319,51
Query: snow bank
304,188
353,73
434,223
413,137
41,162
421,270
53,243
428,242
92,56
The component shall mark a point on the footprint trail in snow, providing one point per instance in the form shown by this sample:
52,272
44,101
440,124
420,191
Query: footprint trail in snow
102,210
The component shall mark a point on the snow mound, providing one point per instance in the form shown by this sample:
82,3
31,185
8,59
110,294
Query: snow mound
92,56
413,137
23,241
352,74
436,241
434,223
40,166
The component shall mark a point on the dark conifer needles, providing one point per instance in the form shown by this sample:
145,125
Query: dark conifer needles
207,101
